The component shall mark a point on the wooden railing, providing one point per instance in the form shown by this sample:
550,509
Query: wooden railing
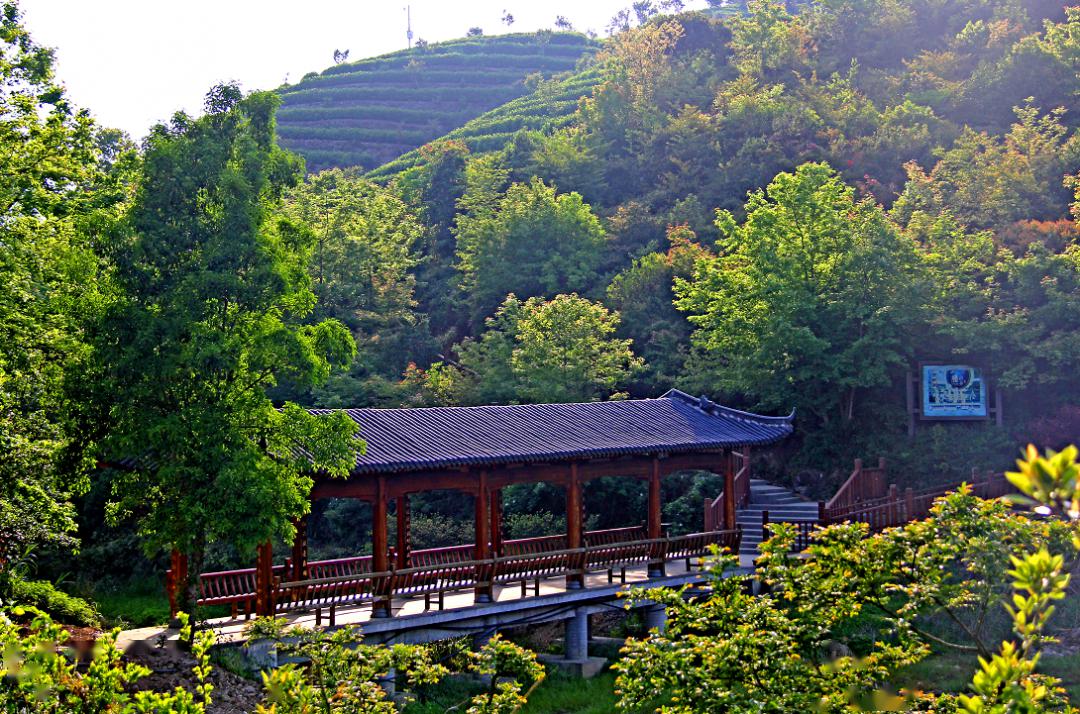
894,508
432,570
898,508
804,531
714,507
356,585
865,484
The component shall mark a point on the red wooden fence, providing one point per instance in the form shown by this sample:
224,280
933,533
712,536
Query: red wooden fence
431,570
715,518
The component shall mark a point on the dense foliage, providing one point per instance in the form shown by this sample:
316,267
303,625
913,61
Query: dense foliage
777,651
210,290
50,183
910,190
790,205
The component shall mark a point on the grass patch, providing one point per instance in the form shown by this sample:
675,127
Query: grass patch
565,695
952,672
139,604
132,606
556,695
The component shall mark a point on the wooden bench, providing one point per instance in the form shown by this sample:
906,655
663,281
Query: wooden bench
231,587
697,545
440,579
533,567
318,593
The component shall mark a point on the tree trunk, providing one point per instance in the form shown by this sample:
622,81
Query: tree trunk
189,590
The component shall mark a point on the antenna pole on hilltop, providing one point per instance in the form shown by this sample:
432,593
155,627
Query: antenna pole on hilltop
408,24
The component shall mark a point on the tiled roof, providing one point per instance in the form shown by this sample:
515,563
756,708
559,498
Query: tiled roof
438,437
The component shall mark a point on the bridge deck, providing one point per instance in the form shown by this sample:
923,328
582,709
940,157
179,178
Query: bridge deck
412,622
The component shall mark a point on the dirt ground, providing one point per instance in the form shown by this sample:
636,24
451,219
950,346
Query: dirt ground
171,668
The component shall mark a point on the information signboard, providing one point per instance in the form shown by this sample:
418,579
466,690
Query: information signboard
953,391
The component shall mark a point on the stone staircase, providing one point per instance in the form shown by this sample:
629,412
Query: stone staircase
782,505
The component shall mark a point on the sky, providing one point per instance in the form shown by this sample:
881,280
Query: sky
135,62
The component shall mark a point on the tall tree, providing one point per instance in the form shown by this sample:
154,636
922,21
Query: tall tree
531,242
811,299
48,180
560,350
361,262
214,291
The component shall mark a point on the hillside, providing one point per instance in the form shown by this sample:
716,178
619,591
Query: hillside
370,112
550,107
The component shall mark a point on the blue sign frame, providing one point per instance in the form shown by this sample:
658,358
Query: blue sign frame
953,391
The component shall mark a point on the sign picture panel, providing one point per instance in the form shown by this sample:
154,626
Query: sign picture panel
954,391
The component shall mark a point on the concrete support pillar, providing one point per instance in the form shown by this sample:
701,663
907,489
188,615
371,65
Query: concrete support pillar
389,682
577,637
484,636
656,618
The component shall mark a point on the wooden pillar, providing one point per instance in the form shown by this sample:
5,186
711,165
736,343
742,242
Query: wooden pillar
482,551
729,492
264,580
656,562
176,580
299,551
380,560
496,522
574,581
404,535
894,506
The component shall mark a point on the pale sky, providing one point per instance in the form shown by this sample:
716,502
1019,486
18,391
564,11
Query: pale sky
135,62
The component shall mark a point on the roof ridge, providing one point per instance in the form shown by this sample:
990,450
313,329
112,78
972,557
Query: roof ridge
704,404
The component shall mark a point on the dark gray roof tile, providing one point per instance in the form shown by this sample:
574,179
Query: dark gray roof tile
440,437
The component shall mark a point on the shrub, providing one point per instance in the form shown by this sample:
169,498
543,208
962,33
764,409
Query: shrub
61,606
40,676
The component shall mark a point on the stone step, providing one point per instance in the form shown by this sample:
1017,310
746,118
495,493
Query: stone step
782,505
778,514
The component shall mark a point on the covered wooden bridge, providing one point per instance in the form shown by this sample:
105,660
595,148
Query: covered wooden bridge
480,451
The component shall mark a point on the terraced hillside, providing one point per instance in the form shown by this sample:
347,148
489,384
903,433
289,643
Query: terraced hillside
550,106
370,112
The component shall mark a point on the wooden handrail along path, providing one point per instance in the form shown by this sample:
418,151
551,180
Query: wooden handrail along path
437,571
717,515
864,498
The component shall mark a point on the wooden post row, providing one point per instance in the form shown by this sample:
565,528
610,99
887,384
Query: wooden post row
404,526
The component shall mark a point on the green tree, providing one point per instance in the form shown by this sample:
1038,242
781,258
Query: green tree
532,242
362,261
643,295
50,184
811,300
986,181
778,651
343,675
212,293
562,350
40,676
